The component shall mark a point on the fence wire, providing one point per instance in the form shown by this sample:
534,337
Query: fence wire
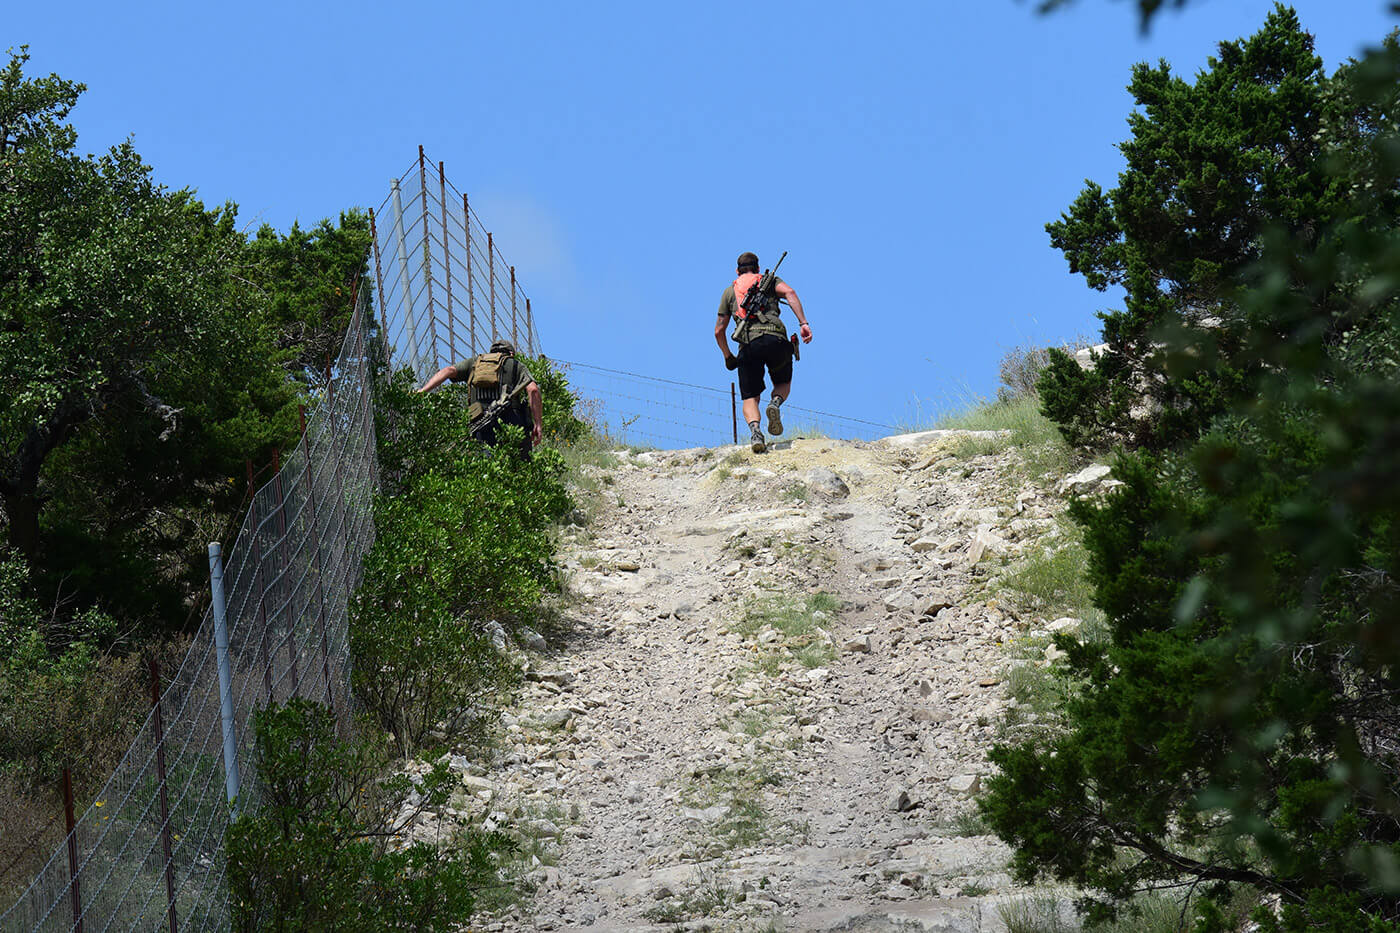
439,265
633,408
288,577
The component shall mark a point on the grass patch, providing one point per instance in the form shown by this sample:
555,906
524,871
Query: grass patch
748,821
965,824
707,895
1035,436
1146,913
1051,581
800,625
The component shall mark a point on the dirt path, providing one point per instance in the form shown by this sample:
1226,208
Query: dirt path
775,707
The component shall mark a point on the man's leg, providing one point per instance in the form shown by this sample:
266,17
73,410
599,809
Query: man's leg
750,389
779,353
775,416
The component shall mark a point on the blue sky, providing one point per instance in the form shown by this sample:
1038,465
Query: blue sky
907,155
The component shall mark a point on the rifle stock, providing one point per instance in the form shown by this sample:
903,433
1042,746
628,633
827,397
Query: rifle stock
494,410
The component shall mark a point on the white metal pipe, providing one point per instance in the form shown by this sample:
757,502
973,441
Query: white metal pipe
216,585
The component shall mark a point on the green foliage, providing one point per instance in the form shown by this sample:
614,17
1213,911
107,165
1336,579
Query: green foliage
308,278
1211,165
62,700
1237,726
323,850
141,349
463,539
562,425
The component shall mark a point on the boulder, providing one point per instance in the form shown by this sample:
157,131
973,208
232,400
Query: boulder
827,483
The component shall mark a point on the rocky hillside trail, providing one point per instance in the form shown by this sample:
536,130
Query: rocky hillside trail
772,709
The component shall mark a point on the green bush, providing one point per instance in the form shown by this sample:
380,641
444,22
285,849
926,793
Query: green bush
562,425
464,538
323,850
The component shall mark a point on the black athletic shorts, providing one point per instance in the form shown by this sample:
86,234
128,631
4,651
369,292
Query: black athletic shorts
767,350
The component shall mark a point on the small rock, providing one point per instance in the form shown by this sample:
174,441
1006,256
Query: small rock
935,603
966,785
556,718
533,640
900,801
1066,624
827,483
1086,479
874,564
544,829
860,643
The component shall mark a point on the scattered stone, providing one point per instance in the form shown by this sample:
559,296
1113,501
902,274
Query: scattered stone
861,644
556,718
965,785
1086,479
935,603
1067,625
827,483
900,801
983,542
874,564
533,640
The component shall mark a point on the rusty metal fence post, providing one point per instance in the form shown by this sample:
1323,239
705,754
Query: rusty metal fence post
75,882
158,720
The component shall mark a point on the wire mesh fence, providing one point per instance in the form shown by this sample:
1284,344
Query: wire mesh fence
437,263
147,851
648,411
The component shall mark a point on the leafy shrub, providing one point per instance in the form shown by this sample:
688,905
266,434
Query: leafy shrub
323,851
1021,366
562,425
463,539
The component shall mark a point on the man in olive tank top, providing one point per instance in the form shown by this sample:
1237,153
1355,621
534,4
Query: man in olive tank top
763,344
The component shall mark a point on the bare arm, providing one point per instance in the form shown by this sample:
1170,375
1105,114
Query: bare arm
721,338
785,293
438,378
536,412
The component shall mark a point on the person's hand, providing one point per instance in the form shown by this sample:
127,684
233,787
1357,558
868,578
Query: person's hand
806,333
536,435
731,362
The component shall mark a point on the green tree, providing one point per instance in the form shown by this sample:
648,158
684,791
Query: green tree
145,352
308,278
1211,165
1240,724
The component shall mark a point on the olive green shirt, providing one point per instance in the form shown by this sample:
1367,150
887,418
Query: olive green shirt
729,306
